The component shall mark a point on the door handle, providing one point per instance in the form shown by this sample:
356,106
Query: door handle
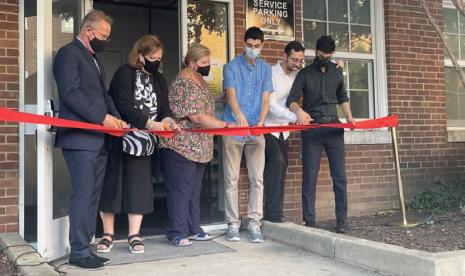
50,111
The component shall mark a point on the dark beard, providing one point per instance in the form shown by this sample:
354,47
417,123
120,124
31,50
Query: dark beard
323,62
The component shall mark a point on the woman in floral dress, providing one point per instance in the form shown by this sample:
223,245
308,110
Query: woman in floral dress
184,156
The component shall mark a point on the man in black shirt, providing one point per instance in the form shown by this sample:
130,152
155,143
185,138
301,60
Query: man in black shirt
322,86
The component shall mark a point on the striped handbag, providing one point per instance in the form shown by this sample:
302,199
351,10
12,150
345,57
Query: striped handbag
139,143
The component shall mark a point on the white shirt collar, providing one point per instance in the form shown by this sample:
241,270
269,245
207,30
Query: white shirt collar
78,38
281,70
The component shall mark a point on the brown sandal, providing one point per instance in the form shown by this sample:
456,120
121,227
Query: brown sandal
105,242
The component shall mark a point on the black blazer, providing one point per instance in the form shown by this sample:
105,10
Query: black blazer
83,96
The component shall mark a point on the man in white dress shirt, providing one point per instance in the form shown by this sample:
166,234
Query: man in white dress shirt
276,146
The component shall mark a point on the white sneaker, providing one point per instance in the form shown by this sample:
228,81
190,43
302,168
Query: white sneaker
233,233
254,233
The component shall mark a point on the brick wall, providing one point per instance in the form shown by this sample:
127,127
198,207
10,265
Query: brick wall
416,91
9,87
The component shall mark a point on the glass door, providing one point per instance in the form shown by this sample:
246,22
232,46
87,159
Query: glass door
47,26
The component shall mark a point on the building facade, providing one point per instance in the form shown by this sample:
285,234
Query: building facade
395,63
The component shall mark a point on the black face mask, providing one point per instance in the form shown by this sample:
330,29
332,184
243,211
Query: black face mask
98,45
323,62
151,66
204,71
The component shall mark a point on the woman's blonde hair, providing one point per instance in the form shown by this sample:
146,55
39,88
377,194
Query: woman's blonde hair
196,52
146,45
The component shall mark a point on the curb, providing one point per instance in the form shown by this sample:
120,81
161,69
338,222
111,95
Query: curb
386,258
17,248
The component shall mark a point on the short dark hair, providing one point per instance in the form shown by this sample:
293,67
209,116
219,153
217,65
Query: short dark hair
326,44
294,45
254,33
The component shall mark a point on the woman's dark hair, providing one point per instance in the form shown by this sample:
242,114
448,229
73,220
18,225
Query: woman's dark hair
294,45
326,44
254,33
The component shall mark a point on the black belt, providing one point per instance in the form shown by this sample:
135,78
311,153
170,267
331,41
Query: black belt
325,120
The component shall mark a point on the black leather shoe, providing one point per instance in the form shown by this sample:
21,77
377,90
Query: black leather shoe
341,228
105,261
310,224
89,263
277,220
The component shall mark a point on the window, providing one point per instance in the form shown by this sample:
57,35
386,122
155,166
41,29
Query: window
454,33
357,26
207,23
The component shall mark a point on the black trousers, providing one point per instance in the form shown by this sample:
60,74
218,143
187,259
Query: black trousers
183,180
276,151
313,141
87,170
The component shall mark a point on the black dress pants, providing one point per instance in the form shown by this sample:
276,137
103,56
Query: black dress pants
313,141
276,151
87,170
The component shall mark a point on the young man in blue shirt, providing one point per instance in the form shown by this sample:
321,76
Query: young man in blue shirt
247,81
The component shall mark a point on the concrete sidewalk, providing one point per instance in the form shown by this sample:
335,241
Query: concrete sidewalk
269,258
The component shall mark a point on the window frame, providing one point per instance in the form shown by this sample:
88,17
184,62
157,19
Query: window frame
456,132
377,57
378,95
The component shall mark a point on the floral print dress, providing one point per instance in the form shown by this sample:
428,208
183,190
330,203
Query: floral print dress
187,98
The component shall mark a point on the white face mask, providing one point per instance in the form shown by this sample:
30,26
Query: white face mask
252,53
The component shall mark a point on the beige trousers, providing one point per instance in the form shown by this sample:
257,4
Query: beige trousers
254,151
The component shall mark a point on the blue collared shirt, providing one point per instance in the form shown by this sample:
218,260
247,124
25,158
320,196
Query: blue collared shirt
249,82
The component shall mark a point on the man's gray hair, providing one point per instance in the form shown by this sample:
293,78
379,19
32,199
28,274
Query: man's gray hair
94,17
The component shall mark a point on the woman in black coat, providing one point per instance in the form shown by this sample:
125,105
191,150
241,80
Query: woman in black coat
140,94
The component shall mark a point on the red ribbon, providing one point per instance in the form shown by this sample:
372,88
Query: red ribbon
10,115
388,121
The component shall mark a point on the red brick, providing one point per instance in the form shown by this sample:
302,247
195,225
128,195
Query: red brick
11,228
5,219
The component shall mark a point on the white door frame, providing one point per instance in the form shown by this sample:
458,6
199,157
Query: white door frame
52,234
52,241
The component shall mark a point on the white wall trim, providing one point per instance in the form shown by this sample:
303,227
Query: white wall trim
380,73
232,34
448,4
367,137
455,134
448,62
344,55
21,195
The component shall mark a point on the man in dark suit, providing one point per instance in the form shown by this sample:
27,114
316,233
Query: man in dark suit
83,97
